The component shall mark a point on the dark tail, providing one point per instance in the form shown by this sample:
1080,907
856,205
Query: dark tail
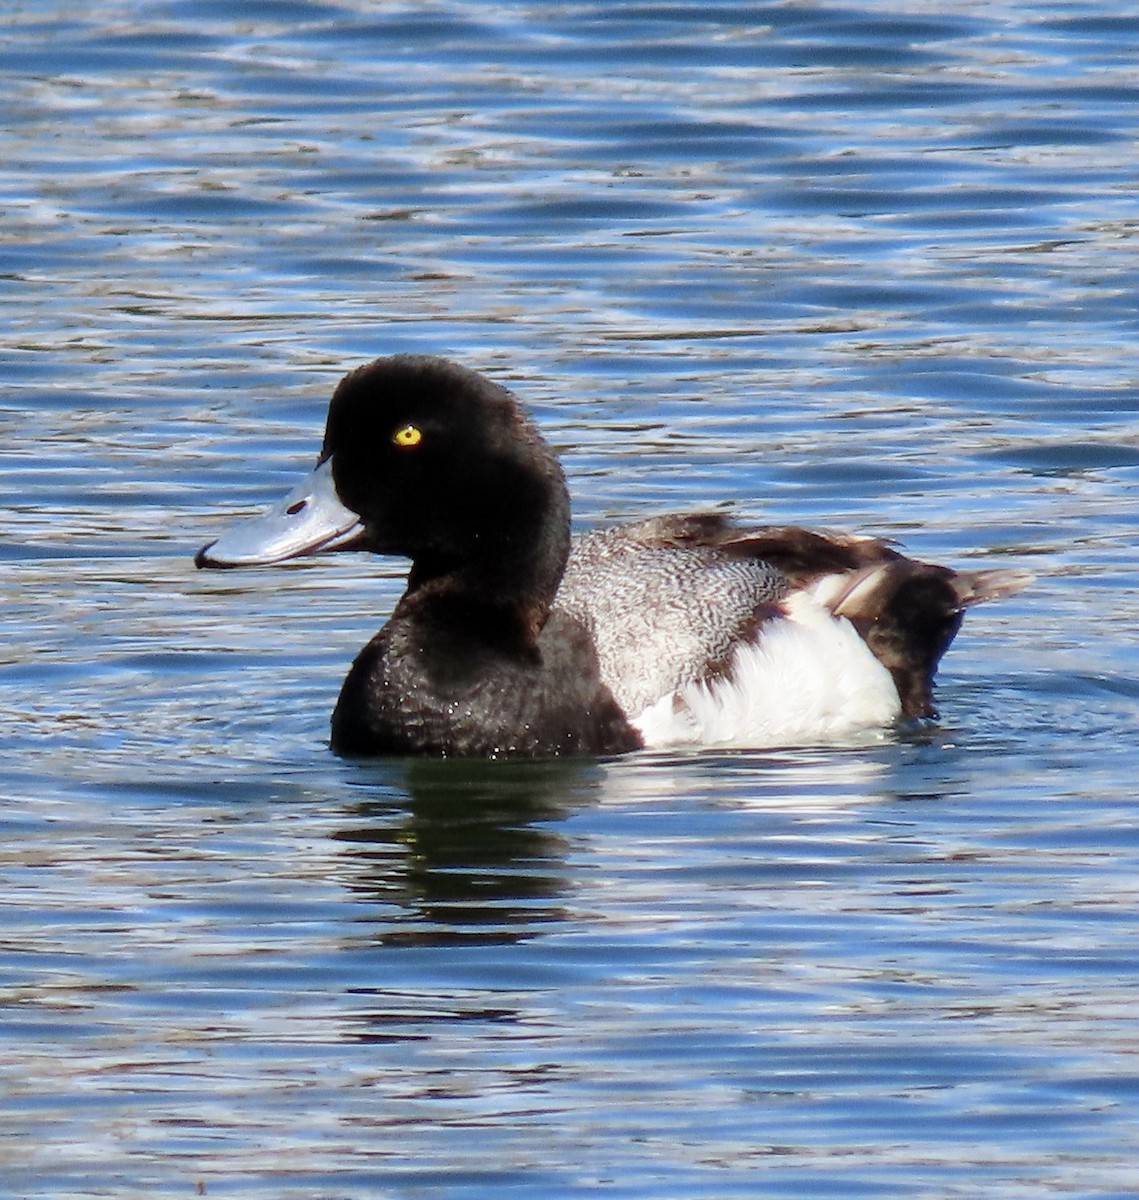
908,613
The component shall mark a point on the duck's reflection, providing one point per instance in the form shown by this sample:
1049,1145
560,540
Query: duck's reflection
452,851
448,852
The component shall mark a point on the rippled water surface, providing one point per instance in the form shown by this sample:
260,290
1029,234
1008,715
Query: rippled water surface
868,265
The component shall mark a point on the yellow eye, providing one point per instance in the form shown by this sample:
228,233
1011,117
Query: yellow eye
408,436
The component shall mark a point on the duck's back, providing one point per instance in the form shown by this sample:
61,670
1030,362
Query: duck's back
665,606
709,633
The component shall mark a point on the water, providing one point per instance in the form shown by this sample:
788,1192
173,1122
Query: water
870,266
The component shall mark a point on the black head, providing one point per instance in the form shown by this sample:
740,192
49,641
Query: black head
444,467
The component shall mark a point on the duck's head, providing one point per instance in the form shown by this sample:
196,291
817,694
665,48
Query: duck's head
426,459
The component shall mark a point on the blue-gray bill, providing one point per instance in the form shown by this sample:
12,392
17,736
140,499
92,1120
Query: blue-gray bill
309,520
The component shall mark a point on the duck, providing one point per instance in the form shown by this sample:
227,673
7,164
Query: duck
515,639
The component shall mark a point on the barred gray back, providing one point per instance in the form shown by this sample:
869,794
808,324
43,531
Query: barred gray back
660,614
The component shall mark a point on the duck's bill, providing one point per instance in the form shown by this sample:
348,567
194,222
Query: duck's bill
310,520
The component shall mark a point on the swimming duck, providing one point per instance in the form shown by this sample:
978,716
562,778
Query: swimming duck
513,639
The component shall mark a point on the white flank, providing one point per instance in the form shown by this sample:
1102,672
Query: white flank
807,678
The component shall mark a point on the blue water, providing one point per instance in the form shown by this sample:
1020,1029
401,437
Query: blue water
870,265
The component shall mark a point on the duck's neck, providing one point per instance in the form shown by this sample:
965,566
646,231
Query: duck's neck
513,566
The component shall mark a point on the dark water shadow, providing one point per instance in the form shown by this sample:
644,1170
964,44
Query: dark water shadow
453,851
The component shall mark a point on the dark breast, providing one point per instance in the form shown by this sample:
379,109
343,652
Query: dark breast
439,688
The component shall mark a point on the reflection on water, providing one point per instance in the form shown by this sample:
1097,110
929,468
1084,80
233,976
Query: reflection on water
475,851
865,266
456,852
